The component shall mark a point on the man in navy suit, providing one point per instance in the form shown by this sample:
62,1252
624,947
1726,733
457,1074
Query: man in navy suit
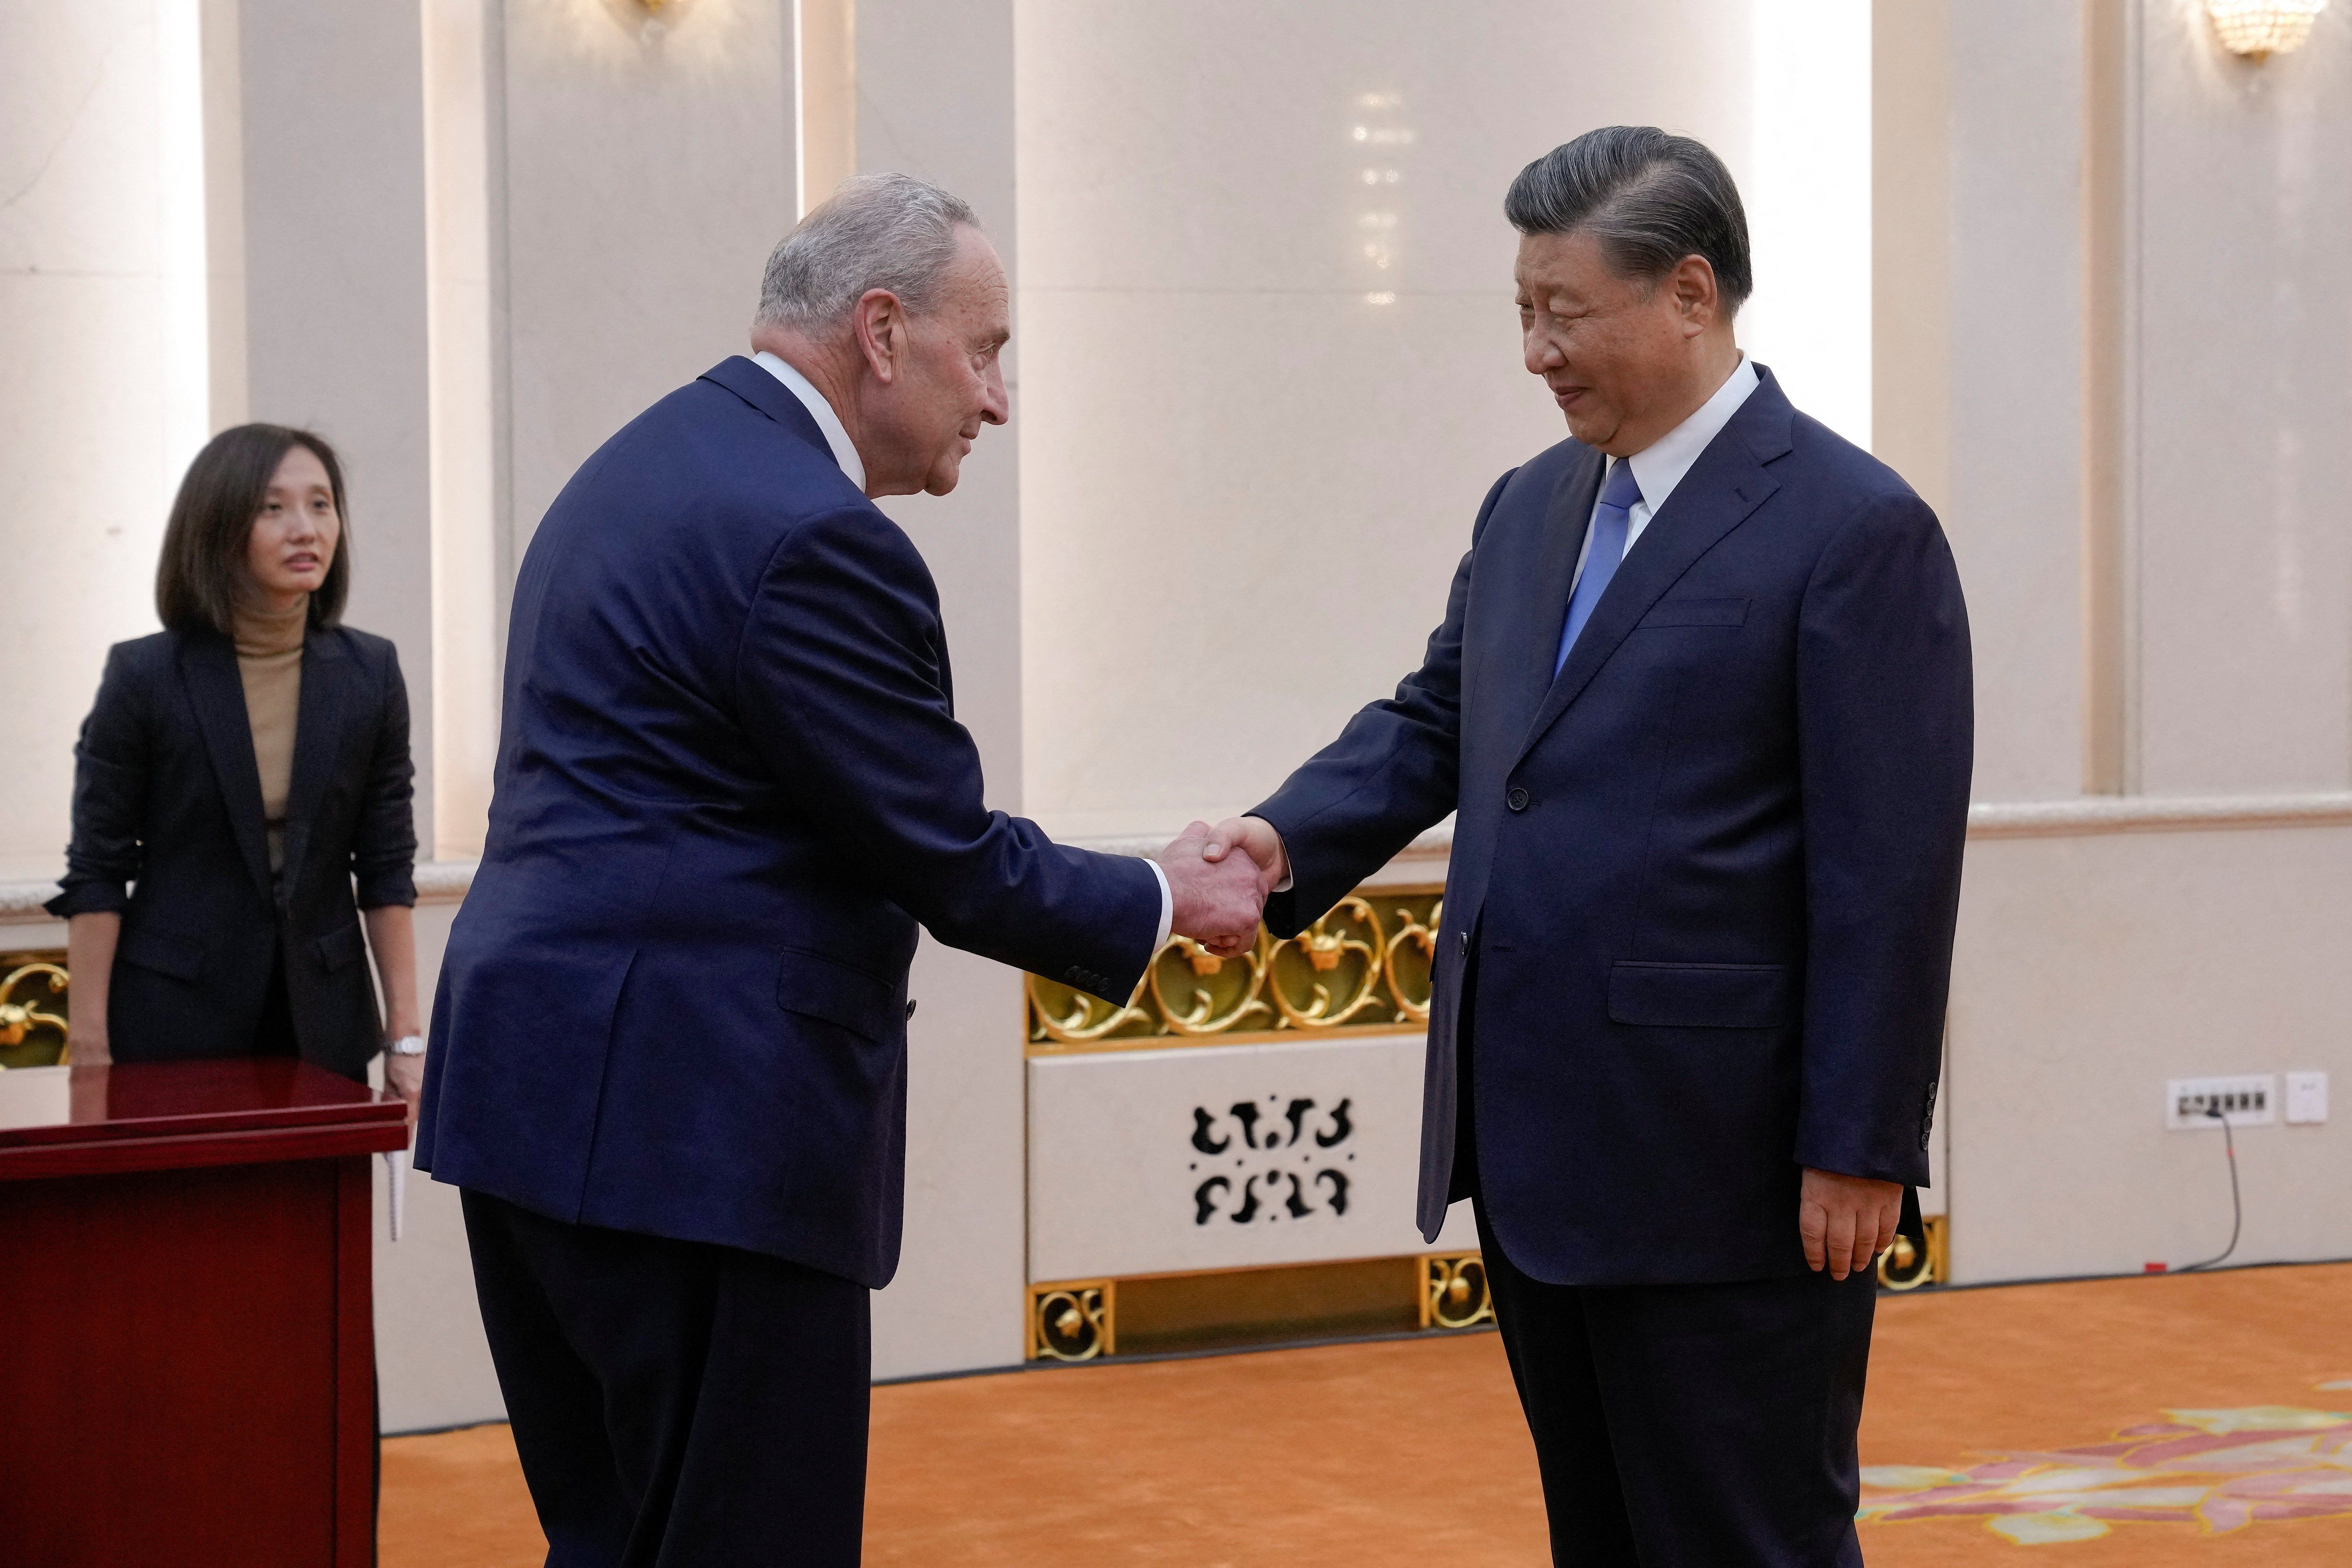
1701,703
669,1049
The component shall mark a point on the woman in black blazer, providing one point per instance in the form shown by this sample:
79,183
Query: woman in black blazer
240,773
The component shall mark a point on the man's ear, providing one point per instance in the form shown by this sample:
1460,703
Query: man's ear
880,322
1696,299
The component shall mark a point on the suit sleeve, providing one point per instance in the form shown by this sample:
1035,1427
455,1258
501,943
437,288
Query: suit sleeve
384,851
1393,773
839,681
1885,735
110,772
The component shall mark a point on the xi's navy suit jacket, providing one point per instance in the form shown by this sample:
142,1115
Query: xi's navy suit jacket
730,785
1710,872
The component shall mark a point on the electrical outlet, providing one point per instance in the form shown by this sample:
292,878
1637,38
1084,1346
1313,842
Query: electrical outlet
2248,1099
2307,1097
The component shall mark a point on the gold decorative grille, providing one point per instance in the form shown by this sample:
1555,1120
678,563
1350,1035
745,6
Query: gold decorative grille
1363,968
32,1009
1074,1319
1906,1266
1454,1292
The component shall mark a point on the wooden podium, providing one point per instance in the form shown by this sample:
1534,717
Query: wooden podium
184,1257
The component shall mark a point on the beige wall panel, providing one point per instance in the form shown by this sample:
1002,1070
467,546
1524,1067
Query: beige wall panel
1246,486
1229,553
935,99
2092,969
2015,401
97,413
641,182
332,109
2244,397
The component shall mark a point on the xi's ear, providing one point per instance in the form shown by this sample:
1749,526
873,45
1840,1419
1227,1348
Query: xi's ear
880,320
1696,299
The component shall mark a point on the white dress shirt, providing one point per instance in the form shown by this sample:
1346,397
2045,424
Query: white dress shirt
828,423
845,452
1659,467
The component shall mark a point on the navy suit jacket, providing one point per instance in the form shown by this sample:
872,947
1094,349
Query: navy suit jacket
730,784
1710,871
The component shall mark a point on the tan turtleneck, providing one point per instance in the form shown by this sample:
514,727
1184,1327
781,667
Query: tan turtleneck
270,661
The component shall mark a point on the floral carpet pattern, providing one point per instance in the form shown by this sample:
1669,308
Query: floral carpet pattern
2221,1470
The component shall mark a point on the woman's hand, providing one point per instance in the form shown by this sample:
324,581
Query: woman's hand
392,936
86,1044
404,1075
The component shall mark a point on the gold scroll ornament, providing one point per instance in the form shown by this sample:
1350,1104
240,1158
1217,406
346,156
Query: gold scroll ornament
1906,1266
1363,968
1454,1292
21,1017
1073,1320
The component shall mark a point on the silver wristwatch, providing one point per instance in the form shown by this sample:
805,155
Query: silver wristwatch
407,1045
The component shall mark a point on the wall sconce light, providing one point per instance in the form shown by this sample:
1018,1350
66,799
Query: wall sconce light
2261,28
659,14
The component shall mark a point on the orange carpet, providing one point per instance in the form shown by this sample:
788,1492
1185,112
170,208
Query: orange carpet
1993,1423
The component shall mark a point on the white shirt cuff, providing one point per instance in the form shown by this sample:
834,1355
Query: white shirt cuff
1167,908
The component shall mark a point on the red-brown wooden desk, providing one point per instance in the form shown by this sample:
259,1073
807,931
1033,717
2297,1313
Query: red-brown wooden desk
187,1358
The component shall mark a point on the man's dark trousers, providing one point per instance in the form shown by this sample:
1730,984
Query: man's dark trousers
1691,1425
1682,1426
675,1403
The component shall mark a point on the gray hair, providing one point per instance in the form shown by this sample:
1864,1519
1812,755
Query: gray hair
1649,198
878,231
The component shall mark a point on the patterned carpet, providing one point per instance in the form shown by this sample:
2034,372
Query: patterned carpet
2150,1422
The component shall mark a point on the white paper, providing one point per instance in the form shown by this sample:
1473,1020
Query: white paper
396,1170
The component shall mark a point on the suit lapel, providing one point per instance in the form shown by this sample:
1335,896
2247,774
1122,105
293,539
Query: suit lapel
318,739
208,667
1721,490
1540,587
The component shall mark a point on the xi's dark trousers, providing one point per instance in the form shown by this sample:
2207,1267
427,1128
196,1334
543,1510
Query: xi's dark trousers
1681,1425
675,1403
1691,1425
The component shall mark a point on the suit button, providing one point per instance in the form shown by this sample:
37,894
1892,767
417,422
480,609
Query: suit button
1517,799
910,1009
1466,945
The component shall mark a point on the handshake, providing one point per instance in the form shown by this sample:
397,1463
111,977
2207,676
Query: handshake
1219,895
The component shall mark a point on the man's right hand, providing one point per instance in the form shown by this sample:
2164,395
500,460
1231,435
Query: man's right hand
1217,902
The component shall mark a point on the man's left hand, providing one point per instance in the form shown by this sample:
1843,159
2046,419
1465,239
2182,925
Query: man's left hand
1846,1221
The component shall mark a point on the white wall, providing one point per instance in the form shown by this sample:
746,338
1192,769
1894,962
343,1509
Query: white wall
1245,483
935,98
2242,397
637,185
331,111
2091,968
102,258
2016,398
1807,199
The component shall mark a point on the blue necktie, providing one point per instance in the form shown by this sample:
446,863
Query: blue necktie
1611,521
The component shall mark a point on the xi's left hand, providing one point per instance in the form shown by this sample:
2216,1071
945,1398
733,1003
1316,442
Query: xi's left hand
1846,1221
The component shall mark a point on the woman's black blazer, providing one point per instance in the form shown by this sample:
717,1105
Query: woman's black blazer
167,799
